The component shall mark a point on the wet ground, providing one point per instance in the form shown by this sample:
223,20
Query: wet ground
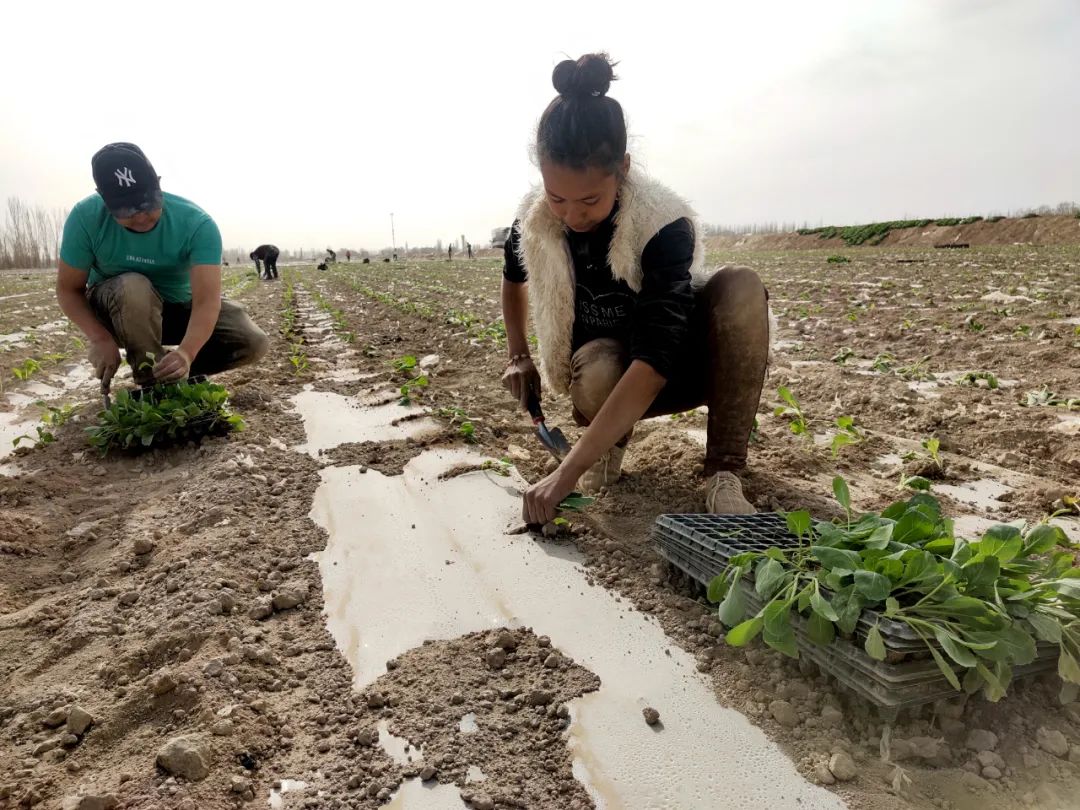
400,526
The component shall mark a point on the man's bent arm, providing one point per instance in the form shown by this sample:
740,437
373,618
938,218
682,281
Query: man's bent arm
205,308
71,295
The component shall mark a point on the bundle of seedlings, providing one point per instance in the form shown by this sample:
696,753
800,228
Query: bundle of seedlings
163,415
980,607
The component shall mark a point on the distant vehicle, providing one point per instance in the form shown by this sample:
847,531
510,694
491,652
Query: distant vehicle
499,237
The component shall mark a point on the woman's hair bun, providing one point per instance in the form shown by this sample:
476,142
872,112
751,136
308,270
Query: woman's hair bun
591,75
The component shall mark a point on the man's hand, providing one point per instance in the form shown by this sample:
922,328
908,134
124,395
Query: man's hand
542,499
104,356
521,378
172,367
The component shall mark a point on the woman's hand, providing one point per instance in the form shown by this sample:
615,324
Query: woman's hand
521,378
542,499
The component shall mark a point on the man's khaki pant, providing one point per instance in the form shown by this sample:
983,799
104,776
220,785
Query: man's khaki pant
722,366
140,321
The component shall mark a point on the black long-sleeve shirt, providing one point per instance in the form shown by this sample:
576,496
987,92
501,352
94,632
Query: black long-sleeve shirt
651,323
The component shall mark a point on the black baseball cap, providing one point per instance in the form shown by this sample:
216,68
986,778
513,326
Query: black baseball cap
126,180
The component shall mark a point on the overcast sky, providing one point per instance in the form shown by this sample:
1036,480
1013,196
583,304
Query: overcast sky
308,123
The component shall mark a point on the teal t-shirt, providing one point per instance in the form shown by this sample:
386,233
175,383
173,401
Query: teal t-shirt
185,236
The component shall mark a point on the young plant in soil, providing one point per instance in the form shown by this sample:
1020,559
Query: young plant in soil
406,365
26,369
166,415
847,433
979,606
974,377
793,411
842,356
55,416
1044,397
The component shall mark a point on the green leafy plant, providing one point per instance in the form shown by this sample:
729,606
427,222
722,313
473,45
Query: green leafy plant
793,411
26,369
405,363
883,363
974,377
978,606
498,466
917,370
164,415
842,356
838,260
847,433
407,389
298,357
1044,397
575,502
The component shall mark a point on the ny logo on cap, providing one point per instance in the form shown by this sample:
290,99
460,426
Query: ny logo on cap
125,177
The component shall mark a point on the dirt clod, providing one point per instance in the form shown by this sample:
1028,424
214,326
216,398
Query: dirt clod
188,757
842,766
652,716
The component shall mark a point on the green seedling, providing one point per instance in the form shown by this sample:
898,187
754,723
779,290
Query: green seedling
406,363
575,502
793,411
1044,397
847,433
43,436
164,415
498,466
842,356
974,377
26,369
883,363
299,360
838,260
467,431
979,605
974,325
408,387
916,371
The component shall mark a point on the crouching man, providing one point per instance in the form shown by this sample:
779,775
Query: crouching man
141,268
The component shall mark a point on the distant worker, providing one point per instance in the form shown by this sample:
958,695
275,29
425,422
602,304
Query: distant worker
468,247
331,256
139,268
628,323
348,255
268,254
450,253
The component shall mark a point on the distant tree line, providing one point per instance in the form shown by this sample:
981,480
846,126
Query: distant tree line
1061,209
30,235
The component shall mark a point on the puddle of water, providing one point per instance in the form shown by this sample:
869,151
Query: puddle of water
467,724
984,493
287,786
426,796
397,748
887,461
331,419
474,774
411,558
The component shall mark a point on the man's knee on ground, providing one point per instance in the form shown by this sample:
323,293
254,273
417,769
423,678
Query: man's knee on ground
595,370
257,348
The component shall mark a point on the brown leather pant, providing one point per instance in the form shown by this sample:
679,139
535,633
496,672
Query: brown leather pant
140,321
722,366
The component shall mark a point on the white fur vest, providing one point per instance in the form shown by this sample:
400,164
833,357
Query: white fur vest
645,206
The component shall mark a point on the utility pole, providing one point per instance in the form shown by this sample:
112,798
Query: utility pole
393,238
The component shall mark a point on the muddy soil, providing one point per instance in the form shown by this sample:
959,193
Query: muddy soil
174,595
